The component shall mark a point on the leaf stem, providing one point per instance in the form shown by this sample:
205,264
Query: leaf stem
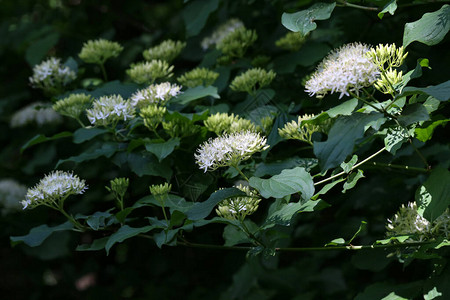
403,167
424,160
345,3
354,167
102,67
240,172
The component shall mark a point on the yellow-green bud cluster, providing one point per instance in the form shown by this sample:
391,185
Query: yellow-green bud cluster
267,123
160,189
73,105
252,80
168,50
180,128
408,221
53,189
153,115
292,41
301,131
198,77
149,71
99,51
221,32
224,123
235,44
237,208
118,187
387,58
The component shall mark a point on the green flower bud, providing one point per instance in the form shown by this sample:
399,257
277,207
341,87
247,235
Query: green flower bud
235,44
167,51
387,56
252,80
148,72
73,105
160,189
99,51
302,131
389,79
153,115
198,77
119,187
237,208
291,41
180,128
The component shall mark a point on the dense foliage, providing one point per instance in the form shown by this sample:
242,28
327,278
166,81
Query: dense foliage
218,149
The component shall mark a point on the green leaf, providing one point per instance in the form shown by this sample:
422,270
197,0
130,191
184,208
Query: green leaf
173,202
336,242
195,93
162,149
96,245
390,7
426,133
347,166
432,294
196,13
326,188
114,88
416,73
342,138
40,138
165,237
39,234
440,91
303,21
308,55
148,165
98,220
413,113
234,236
107,150
352,180
275,168
201,210
288,182
85,134
344,109
433,197
38,50
431,104
391,291
430,29
395,138
125,232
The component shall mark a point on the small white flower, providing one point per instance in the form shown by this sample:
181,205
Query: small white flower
51,73
346,69
109,110
35,113
155,94
408,222
229,149
54,187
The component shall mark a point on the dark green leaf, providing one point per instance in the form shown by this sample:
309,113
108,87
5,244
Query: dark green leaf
347,166
147,165
38,50
326,188
390,7
96,245
430,29
304,21
98,219
162,150
388,291
307,56
196,13
196,93
106,150
173,202
342,138
352,180
38,234
416,73
413,113
165,237
84,134
114,88
122,215
440,91
40,138
288,182
276,167
234,236
201,210
433,197
125,232
395,137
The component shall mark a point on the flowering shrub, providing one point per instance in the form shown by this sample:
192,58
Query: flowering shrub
226,150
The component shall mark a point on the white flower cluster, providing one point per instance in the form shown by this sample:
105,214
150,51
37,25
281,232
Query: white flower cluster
108,110
346,69
54,187
34,113
11,193
221,32
229,149
51,73
237,208
155,94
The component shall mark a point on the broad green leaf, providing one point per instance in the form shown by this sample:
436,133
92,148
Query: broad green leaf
275,168
416,73
326,188
40,138
125,232
38,234
122,215
390,7
336,242
196,13
342,138
96,245
304,21
196,93
308,55
114,88
395,138
98,220
352,180
106,150
38,50
288,182
432,294
201,210
433,197
234,236
440,91
413,113
344,109
347,166
162,150
85,134
426,133
165,237
431,104
142,165
430,29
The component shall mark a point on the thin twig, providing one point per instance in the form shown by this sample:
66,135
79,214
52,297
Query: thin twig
345,3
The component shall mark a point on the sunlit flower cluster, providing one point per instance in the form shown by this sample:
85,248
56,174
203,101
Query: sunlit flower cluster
237,208
252,80
53,189
155,94
345,70
197,77
35,113
51,75
109,110
149,71
73,105
168,50
298,130
98,51
229,149
11,194
221,32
